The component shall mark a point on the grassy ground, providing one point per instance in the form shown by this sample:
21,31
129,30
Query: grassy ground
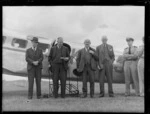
15,99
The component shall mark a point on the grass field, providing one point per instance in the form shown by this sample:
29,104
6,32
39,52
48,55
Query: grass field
15,99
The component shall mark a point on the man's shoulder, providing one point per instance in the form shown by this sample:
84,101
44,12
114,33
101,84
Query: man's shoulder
40,49
109,45
92,49
135,46
29,49
126,48
54,47
65,47
99,46
80,50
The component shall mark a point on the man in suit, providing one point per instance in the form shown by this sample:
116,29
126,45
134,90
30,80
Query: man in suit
130,67
58,59
86,63
106,58
34,58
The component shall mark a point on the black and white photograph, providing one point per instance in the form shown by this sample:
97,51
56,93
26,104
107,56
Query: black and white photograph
73,58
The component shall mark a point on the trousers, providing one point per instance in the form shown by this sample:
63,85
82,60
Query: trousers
140,68
130,69
88,74
59,73
34,72
107,71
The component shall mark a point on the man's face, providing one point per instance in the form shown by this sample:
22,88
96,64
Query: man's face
60,42
104,40
130,43
34,44
87,44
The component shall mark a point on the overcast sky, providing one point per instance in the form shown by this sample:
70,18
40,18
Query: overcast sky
76,23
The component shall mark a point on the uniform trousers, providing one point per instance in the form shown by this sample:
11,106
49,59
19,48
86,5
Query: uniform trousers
141,75
130,69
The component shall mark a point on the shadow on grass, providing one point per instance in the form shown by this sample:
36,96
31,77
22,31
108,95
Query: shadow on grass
15,93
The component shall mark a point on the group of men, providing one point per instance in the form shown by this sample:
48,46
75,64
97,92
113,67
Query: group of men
88,61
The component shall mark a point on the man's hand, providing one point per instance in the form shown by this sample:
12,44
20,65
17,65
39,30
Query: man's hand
49,66
35,63
112,61
92,52
65,58
101,66
78,70
98,67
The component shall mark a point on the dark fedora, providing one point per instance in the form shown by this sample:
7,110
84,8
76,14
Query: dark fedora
75,72
129,39
35,39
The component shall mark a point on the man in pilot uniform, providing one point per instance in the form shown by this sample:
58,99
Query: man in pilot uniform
130,67
34,58
141,68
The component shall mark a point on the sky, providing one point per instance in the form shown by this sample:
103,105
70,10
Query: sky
77,23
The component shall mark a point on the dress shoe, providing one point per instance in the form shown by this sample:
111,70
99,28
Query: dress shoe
29,97
92,96
127,94
63,97
38,97
101,95
137,95
141,95
83,96
111,95
55,97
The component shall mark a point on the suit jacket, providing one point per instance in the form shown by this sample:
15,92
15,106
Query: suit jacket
81,59
64,53
34,56
100,53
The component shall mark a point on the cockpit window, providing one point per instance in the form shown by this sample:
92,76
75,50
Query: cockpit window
43,46
20,43
4,38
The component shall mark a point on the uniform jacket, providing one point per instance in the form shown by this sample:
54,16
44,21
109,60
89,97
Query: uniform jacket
100,53
64,53
133,55
34,56
81,59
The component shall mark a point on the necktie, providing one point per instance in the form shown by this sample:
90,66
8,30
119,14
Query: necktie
87,50
129,50
34,49
104,50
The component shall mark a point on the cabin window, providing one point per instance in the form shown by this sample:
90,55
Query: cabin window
20,43
4,39
44,47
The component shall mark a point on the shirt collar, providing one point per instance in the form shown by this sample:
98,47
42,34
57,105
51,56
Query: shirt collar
86,48
59,46
34,48
104,45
